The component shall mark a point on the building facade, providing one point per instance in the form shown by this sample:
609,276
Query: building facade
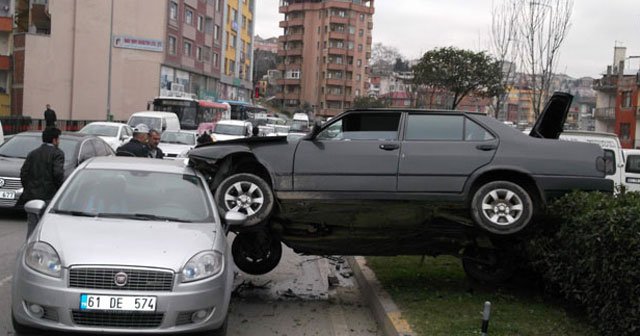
237,76
324,53
6,51
91,65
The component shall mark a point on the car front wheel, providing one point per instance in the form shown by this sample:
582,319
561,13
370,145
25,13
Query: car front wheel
256,252
247,194
502,207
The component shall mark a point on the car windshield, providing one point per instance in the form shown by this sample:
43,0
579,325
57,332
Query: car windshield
181,138
20,146
229,129
137,195
151,122
100,130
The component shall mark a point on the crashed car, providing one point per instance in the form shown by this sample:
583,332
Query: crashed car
398,182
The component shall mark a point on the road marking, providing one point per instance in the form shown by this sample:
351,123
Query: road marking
5,280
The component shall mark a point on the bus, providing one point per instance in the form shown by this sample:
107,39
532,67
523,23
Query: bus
194,114
245,111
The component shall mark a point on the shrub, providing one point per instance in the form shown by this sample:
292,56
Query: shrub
590,253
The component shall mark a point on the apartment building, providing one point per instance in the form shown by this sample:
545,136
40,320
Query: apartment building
324,50
100,59
237,74
6,49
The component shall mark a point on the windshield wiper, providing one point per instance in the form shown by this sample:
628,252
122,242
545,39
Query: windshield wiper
73,213
142,216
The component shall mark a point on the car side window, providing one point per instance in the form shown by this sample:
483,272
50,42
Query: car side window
100,148
422,127
475,132
128,131
363,126
86,151
633,164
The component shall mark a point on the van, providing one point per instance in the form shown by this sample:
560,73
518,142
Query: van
300,123
632,169
612,149
161,121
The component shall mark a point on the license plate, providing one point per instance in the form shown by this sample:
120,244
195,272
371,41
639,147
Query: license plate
7,194
117,303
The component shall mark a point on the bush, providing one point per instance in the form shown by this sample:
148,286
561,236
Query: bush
590,253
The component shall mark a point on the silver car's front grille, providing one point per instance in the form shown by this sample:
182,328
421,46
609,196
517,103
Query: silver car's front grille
136,279
117,319
10,183
7,203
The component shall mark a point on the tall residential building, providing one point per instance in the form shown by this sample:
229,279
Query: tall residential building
86,63
324,53
6,50
237,76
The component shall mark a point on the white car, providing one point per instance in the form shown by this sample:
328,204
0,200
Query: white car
173,143
113,133
232,129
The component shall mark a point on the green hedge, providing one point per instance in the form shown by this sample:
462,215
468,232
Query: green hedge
590,253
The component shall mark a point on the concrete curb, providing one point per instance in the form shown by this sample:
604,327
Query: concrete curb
384,310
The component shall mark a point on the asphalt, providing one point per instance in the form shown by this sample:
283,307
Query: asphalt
385,311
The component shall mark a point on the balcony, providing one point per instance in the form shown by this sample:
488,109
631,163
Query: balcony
334,97
291,37
292,22
337,51
290,66
606,83
335,81
334,35
288,95
288,81
290,52
339,20
605,113
335,66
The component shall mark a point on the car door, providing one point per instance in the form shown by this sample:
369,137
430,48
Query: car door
440,151
356,153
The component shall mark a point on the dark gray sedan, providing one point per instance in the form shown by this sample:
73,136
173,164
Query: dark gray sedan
76,147
396,181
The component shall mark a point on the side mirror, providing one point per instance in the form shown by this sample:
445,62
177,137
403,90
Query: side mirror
317,127
35,207
234,218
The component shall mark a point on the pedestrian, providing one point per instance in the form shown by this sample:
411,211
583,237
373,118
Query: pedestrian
137,146
42,173
154,139
50,117
255,131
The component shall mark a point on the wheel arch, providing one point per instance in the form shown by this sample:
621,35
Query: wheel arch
244,162
515,175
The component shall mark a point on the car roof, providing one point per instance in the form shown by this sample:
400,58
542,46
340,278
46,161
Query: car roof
233,122
64,135
107,123
141,164
153,114
411,110
180,131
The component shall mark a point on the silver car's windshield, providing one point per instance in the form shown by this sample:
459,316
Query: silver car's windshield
137,195
181,138
229,129
100,130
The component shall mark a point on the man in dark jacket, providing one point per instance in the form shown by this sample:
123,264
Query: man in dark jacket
137,146
42,173
50,117
154,139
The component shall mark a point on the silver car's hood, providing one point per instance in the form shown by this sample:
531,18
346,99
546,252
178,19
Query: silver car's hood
107,241
168,148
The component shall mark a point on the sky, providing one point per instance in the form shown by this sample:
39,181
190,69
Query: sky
417,26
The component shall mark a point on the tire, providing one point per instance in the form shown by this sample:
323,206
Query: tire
487,266
502,207
245,193
23,330
256,253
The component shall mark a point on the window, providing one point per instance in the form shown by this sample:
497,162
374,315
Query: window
173,11
626,99
200,23
625,131
293,74
361,32
188,16
350,45
434,127
218,5
216,32
362,17
172,45
363,126
633,164
352,30
359,47
216,59
475,132
187,49
358,77
359,63
199,53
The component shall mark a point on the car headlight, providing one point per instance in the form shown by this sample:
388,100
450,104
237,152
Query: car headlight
43,258
202,265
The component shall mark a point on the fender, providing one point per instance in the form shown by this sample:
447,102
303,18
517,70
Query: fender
487,169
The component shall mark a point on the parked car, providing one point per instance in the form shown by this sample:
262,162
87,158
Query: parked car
173,143
115,134
77,147
127,245
160,121
232,129
388,181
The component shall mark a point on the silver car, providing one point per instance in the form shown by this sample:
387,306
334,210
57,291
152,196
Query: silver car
128,245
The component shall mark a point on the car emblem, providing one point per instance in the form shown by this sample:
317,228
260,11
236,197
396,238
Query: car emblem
121,279
1,183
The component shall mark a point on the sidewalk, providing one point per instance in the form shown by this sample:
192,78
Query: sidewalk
384,310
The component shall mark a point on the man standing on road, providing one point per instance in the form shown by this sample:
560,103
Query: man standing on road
50,117
42,173
137,146
154,139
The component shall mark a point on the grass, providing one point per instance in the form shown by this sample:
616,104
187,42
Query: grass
437,299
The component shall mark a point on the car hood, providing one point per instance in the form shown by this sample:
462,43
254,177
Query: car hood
107,241
223,137
10,167
174,148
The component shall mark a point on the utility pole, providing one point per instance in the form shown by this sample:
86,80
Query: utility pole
110,56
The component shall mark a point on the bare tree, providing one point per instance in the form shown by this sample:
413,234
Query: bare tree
383,58
543,26
504,45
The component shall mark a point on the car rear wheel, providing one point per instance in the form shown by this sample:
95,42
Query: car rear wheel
256,252
247,194
502,207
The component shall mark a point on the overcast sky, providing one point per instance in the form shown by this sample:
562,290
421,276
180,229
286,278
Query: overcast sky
416,26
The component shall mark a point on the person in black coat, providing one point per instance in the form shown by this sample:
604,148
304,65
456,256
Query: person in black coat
42,173
50,117
154,151
137,146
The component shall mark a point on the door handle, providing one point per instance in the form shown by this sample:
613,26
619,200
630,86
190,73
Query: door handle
487,147
389,147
